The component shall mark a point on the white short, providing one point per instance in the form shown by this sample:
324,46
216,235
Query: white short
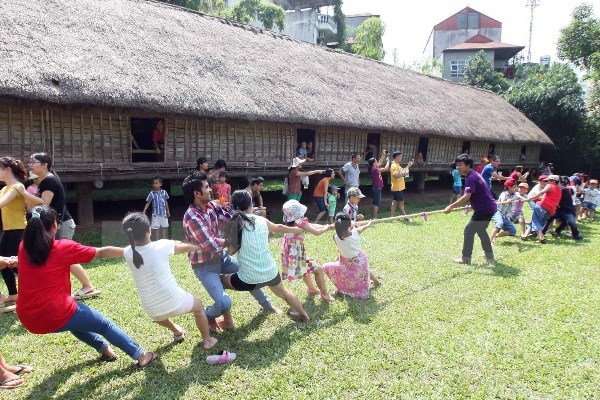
159,221
186,307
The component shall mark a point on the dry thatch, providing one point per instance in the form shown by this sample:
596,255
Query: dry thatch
150,56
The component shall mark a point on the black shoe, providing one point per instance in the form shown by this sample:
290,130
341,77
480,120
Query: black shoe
578,237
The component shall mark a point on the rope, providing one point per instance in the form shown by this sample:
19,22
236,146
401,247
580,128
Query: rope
423,214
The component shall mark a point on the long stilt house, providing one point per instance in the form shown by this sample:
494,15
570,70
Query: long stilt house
87,81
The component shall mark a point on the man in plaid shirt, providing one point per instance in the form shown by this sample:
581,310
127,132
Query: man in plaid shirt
201,224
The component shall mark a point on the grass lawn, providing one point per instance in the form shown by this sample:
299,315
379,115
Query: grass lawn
528,327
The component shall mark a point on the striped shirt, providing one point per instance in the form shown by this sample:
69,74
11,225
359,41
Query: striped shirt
257,265
351,210
202,228
159,202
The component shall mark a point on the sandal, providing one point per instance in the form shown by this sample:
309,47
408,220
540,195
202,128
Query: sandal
80,294
5,384
224,357
23,369
141,367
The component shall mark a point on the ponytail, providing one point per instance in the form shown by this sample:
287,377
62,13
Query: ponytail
136,227
342,223
16,166
240,202
37,237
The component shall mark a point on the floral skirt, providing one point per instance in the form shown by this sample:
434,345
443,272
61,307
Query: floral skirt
350,275
294,263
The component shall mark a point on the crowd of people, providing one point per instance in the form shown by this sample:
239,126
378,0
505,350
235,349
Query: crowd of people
226,235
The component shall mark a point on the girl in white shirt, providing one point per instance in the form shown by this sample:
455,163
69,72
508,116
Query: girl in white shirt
161,296
350,274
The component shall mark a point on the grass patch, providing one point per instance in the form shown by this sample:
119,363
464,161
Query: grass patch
526,328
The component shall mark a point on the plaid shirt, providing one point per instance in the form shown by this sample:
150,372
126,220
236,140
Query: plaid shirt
202,228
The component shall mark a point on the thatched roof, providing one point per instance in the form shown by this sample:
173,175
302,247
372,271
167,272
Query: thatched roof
146,55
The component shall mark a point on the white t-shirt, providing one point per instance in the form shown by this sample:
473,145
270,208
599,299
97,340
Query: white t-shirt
156,285
350,246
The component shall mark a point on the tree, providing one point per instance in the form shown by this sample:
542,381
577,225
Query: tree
212,7
479,72
552,98
267,13
429,66
369,39
579,42
340,21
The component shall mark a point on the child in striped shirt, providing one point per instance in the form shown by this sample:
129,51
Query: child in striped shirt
160,209
248,236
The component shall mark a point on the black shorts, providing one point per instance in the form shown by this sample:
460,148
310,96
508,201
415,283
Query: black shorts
9,244
242,286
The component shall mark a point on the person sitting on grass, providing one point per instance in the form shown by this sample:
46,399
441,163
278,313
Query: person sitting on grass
350,274
294,261
247,235
11,375
46,305
503,219
161,296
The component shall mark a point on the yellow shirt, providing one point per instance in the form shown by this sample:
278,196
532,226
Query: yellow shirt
13,213
397,183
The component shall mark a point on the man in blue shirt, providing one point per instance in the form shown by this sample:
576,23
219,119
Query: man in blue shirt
490,171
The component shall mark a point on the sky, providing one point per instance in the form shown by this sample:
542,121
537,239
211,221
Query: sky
409,23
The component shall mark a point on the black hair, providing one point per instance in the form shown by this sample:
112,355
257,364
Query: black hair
135,227
342,223
240,202
200,160
565,181
328,172
223,173
257,180
453,165
16,166
466,159
192,183
157,178
396,154
37,238
220,164
519,168
371,161
44,158
494,158
354,155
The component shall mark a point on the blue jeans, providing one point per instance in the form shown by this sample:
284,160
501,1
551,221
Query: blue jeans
88,324
376,196
210,276
538,218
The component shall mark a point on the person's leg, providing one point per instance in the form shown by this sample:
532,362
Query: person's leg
209,275
376,202
8,377
167,323
79,273
522,224
9,246
393,207
202,324
88,325
401,207
229,266
483,220
10,280
493,234
468,239
291,299
374,279
320,279
310,287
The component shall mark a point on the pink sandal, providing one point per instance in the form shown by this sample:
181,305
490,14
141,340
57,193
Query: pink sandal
223,357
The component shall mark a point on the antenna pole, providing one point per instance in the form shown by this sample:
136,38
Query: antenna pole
532,4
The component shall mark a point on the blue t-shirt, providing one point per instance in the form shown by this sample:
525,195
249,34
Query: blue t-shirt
482,200
487,172
159,202
456,176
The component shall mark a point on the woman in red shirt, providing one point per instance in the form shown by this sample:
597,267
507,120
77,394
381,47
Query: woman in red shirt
46,305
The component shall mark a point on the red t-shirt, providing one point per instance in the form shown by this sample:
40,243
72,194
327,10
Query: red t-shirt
158,136
45,303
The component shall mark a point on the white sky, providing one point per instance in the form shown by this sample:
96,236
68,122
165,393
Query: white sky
409,23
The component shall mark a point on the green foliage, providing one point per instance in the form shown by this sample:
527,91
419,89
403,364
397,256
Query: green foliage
340,20
429,66
369,39
269,14
552,98
212,7
480,72
579,42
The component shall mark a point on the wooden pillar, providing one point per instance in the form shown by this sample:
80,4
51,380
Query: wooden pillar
85,204
420,181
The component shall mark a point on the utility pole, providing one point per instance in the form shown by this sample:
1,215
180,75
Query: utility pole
532,4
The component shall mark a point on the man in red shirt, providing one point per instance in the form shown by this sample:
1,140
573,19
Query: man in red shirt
550,197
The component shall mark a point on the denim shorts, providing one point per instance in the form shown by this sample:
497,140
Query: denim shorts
376,196
504,223
456,189
589,205
320,203
399,195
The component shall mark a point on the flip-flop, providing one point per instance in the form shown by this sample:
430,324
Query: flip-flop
179,338
23,369
86,295
224,357
141,367
296,317
106,358
8,309
3,385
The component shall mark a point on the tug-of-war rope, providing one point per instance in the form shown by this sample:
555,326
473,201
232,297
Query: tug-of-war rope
423,214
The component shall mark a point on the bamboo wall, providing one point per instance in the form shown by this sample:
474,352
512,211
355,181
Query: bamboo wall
335,145
407,144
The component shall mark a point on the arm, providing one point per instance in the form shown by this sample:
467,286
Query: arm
360,228
146,206
197,232
325,193
167,208
279,228
109,252
8,197
498,176
181,247
341,175
387,166
465,197
31,199
310,173
260,200
316,230
537,196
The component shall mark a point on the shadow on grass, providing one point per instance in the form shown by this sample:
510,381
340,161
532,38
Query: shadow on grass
10,325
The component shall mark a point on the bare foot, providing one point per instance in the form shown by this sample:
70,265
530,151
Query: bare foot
296,316
274,309
11,381
224,324
327,297
210,343
213,326
376,282
493,241
312,291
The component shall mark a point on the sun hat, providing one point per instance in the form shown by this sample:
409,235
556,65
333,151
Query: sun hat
554,178
293,211
354,192
335,188
525,185
296,161
542,178
593,181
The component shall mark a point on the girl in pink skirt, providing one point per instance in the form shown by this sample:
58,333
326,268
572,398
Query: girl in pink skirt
350,274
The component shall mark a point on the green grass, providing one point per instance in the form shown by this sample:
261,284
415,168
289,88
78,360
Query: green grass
525,328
